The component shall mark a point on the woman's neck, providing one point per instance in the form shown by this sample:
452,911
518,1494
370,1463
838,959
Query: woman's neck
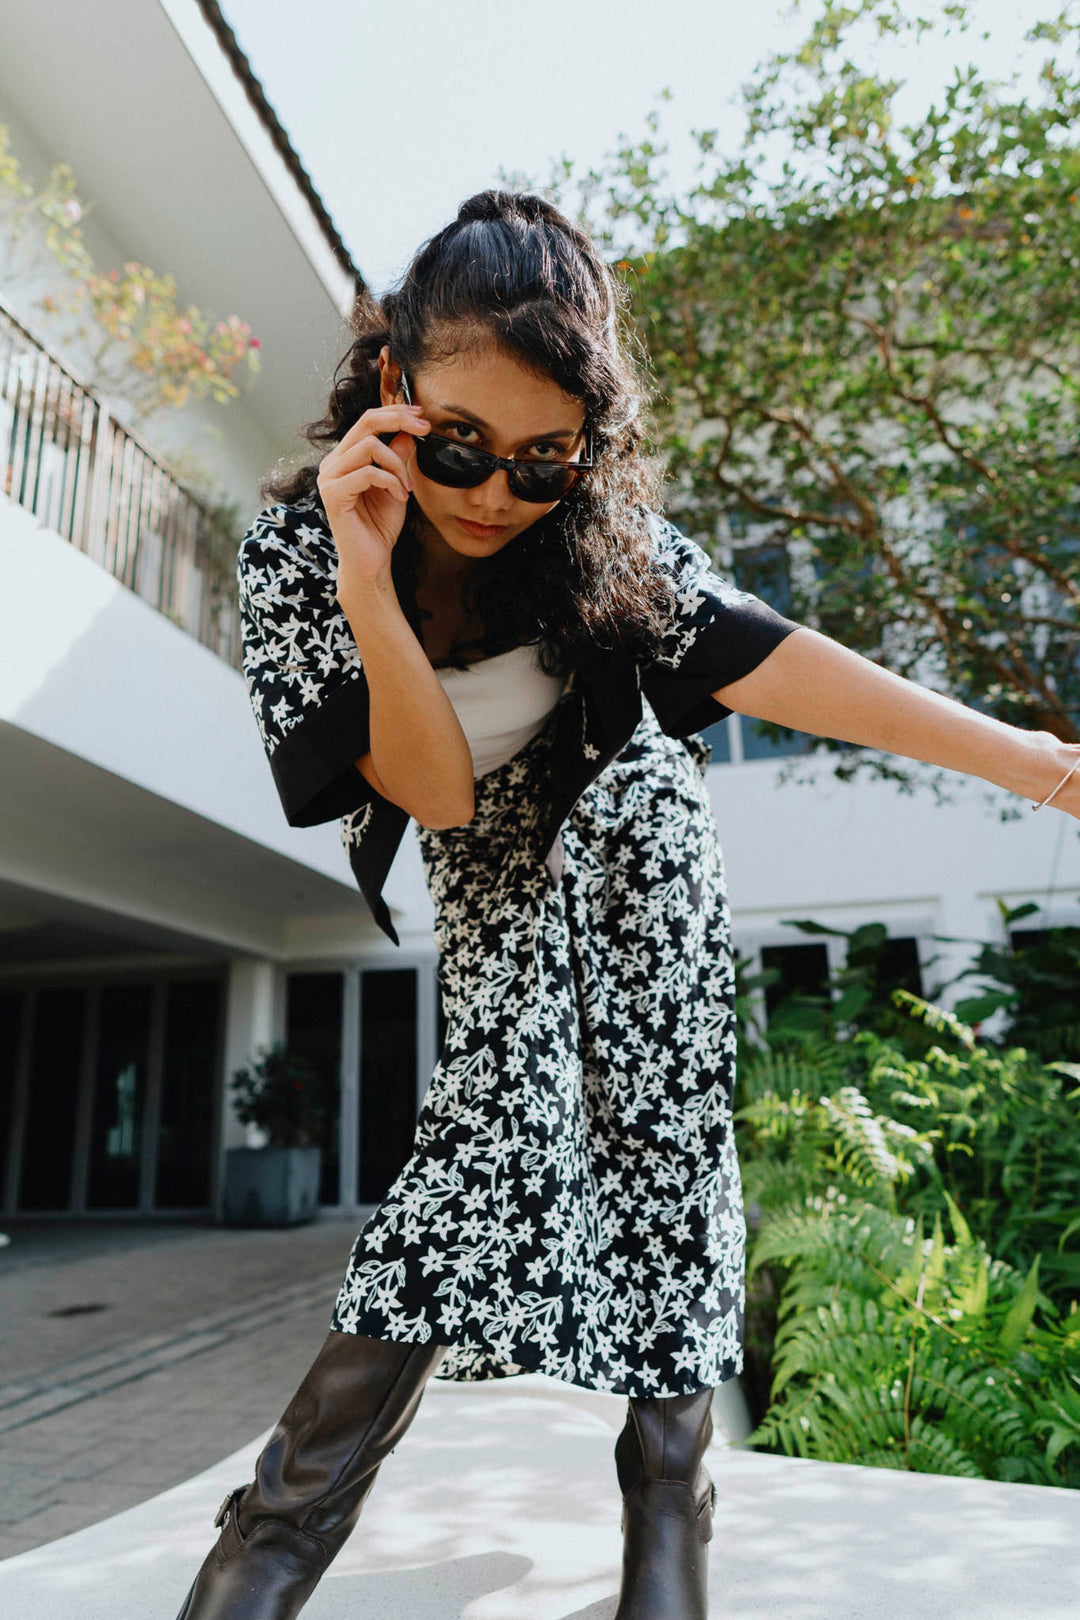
441,567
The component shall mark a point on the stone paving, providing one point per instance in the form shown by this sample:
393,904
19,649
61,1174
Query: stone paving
205,1335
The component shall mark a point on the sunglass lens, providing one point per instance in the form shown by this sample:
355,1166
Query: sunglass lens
542,483
457,465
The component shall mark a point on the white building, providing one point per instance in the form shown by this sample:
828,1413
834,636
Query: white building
159,921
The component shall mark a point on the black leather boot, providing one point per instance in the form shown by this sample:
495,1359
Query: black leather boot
279,1533
668,1500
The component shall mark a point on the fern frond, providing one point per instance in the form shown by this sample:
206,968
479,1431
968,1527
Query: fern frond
863,1150
936,1018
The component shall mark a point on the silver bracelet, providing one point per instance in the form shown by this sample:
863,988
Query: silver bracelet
1073,768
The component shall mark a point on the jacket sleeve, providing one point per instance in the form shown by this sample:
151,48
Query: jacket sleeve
303,672
717,634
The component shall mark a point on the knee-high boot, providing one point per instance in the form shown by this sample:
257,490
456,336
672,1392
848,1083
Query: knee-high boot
668,1500
279,1533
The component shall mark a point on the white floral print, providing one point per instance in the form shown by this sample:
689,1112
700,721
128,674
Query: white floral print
572,1204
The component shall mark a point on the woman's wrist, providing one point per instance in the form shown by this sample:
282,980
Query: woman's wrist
1042,770
353,588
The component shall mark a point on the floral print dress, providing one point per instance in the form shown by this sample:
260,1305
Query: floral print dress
572,1205
572,1202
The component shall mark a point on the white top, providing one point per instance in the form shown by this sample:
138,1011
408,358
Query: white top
501,703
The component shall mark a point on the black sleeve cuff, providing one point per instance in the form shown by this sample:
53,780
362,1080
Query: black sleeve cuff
682,698
314,764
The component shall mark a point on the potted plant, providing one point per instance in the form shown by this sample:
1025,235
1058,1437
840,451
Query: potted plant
288,1097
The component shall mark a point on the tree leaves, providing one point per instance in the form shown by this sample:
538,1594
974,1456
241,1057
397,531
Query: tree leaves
133,338
867,345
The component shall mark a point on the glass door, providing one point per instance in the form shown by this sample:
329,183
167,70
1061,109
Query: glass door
313,1011
188,1104
121,1064
388,1077
110,1094
56,1058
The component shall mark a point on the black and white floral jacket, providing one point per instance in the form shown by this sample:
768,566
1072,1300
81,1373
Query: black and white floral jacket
310,697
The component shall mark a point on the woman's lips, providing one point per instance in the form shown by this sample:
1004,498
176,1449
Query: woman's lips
483,531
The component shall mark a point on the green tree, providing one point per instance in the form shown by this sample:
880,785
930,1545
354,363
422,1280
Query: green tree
866,340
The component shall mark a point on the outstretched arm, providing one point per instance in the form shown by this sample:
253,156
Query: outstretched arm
814,684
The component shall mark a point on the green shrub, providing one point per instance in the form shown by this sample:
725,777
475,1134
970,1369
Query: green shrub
1037,984
287,1096
894,1345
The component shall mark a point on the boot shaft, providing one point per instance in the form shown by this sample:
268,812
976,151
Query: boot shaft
279,1533
668,1499
351,1409
665,1437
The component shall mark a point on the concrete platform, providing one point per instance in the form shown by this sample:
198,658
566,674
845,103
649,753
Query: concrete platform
501,1504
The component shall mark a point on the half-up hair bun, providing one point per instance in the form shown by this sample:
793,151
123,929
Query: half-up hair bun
507,206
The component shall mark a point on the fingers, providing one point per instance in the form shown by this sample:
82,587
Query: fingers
349,488
372,457
368,451
386,419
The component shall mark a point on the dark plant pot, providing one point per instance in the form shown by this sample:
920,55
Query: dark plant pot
271,1186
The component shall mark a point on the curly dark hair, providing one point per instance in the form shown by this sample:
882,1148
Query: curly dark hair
512,268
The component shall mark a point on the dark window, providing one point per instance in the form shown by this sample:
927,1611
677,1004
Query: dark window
313,1030
188,1089
764,571
56,1045
898,966
123,1048
758,744
387,1078
11,1006
718,738
803,970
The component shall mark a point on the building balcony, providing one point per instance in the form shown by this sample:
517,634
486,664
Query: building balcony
67,460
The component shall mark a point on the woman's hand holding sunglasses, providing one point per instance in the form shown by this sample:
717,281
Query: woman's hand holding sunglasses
365,486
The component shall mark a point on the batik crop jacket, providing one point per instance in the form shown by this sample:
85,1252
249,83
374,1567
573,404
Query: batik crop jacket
310,696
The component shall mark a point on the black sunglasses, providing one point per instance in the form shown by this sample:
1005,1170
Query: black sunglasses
462,466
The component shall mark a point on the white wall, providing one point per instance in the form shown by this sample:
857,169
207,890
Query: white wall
87,665
850,853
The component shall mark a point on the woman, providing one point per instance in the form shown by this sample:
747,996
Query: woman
455,617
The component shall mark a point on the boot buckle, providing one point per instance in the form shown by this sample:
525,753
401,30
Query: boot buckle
228,1506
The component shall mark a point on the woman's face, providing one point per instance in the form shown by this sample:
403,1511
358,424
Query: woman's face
487,399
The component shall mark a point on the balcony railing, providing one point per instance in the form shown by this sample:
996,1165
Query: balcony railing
64,458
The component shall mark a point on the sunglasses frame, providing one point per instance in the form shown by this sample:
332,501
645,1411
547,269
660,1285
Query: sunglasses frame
514,469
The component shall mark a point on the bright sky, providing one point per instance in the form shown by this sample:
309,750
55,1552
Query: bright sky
400,111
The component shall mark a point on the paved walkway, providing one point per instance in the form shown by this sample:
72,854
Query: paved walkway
181,1343
501,1504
